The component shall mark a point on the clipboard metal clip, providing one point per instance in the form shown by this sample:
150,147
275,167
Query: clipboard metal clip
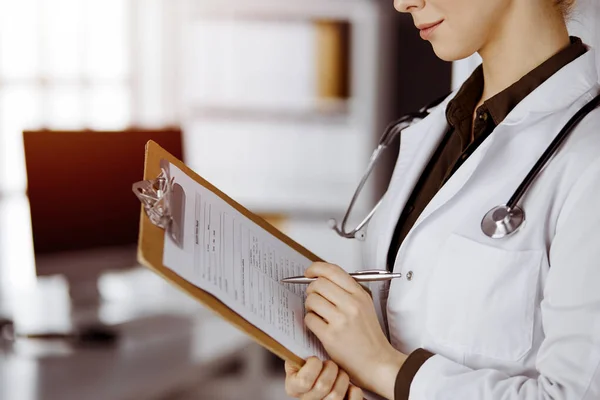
164,202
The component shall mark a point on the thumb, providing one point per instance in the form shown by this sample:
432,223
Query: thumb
291,368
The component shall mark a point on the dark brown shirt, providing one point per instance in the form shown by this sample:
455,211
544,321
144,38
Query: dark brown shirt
461,140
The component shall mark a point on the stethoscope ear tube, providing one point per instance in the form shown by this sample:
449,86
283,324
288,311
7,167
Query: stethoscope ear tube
392,131
358,233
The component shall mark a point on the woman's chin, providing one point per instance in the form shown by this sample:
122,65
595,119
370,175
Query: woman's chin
451,53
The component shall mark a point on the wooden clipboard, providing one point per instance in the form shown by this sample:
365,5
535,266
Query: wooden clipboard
151,245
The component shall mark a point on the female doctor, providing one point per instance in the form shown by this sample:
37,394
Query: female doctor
475,317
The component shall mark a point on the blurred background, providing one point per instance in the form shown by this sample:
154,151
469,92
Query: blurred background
277,103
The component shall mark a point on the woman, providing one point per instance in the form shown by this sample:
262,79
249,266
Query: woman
475,317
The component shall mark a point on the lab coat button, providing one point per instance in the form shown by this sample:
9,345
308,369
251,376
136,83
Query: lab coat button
409,275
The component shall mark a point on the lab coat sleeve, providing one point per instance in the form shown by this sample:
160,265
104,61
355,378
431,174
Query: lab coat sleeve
568,361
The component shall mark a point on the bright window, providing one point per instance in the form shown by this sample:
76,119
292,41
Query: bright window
64,64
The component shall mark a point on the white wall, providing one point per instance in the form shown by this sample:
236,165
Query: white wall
251,120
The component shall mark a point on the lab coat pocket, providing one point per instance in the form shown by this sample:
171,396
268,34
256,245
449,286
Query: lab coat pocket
482,299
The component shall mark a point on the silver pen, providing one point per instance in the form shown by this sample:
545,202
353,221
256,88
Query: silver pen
370,275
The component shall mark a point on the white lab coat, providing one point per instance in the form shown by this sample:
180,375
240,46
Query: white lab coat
512,318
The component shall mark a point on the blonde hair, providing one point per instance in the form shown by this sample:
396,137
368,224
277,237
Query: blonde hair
565,6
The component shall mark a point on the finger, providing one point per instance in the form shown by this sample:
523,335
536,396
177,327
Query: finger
322,307
335,274
301,382
354,393
329,290
291,368
316,325
324,382
340,387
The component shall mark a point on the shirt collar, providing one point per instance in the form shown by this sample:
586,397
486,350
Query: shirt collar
463,104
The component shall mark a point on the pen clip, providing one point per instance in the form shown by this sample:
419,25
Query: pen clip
164,202
371,272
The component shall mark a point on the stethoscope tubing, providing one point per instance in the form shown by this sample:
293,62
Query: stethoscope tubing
391,132
551,151
513,216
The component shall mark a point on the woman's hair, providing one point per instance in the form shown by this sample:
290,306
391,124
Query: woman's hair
565,6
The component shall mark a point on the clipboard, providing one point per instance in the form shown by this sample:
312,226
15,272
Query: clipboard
162,210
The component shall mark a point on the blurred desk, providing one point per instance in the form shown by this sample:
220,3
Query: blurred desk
146,365
168,342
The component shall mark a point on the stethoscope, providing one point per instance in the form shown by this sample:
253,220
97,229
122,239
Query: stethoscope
501,221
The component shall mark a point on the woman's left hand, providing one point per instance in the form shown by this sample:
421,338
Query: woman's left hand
342,315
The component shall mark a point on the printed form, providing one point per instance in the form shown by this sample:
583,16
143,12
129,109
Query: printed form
228,255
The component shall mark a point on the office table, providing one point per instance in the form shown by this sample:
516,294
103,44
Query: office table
167,343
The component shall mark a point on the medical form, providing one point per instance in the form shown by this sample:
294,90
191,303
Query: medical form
229,256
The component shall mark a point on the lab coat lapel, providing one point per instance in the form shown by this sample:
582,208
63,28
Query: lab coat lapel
458,180
417,145
519,155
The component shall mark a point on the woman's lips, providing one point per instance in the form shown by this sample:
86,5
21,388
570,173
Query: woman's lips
427,30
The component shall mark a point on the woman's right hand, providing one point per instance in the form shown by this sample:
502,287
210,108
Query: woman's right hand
318,380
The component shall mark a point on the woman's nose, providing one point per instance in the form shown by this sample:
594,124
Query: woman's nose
407,6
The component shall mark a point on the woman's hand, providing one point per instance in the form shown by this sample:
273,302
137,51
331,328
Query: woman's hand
342,315
318,380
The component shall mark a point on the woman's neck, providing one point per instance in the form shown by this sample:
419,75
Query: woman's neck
527,39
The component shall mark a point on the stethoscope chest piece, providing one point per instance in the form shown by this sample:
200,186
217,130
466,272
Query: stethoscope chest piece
502,221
